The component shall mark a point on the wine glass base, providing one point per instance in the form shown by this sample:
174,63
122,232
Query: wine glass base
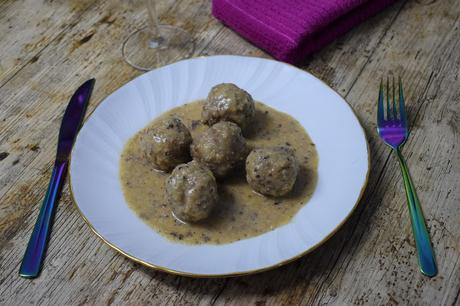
172,44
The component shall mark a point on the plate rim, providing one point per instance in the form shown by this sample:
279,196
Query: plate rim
236,273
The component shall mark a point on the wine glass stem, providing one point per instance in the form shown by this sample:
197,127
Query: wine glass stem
156,39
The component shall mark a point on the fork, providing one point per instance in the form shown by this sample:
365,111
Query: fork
393,130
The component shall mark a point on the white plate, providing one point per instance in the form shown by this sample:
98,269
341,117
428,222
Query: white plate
339,138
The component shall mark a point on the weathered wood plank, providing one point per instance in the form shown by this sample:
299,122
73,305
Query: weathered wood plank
29,26
370,261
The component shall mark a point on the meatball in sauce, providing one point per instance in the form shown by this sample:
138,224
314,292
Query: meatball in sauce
272,171
222,148
191,192
166,144
228,102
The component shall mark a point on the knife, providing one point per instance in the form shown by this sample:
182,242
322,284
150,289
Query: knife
71,122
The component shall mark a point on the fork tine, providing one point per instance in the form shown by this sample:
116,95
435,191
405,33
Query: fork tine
402,108
395,115
380,110
388,100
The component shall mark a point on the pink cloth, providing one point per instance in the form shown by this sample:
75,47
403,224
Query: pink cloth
292,29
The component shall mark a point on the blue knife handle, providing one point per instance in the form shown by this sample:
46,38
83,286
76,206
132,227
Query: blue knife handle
33,257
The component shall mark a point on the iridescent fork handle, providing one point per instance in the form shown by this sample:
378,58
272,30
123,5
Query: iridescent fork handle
35,252
425,252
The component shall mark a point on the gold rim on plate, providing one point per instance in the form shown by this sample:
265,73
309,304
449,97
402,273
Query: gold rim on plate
238,273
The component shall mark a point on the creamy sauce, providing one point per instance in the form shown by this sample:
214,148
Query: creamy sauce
241,213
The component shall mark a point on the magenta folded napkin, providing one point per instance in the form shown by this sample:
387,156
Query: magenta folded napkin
292,29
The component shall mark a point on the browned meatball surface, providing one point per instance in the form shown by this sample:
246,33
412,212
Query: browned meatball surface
191,191
222,148
272,171
167,144
228,102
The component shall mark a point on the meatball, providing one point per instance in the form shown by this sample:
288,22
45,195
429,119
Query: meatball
167,144
221,148
272,171
228,102
191,191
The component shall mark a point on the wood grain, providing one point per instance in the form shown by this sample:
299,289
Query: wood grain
49,47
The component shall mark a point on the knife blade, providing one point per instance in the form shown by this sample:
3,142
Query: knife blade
73,117
71,122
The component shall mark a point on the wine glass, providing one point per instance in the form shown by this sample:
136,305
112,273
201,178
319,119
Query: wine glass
156,44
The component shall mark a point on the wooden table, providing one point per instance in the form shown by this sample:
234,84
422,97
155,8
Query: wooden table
49,47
